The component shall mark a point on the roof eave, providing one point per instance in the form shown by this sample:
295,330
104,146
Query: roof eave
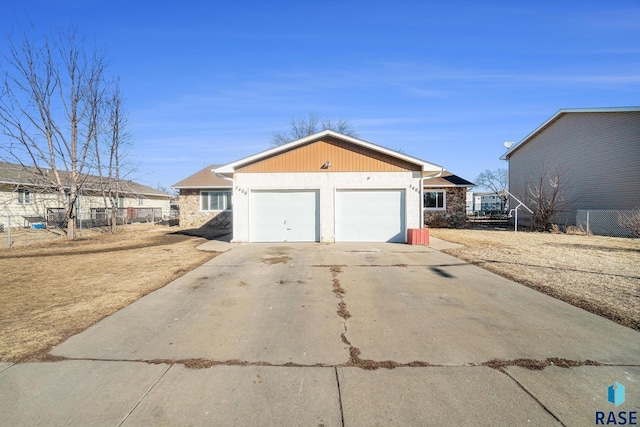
182,187
449,186
557,115
229,169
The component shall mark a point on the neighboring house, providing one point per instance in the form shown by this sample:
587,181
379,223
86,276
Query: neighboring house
330,187
469,203
596,152
203,196
26,198
487,202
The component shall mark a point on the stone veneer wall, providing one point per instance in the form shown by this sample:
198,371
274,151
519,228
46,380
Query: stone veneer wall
190,213
455,214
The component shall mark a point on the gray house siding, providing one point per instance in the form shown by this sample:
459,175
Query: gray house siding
596,153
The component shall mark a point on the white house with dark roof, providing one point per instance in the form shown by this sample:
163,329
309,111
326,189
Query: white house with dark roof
596,152
445,200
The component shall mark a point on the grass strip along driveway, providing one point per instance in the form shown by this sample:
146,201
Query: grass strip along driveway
55,289
598,274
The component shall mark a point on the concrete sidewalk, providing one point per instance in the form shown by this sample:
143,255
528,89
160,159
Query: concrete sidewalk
101,393
342,334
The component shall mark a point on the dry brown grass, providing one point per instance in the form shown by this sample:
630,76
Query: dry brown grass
598,274
57,288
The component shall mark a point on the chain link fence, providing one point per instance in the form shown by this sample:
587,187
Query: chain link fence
15,229
20,229
614,223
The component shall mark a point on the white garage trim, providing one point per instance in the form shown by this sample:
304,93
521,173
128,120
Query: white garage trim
284,216
370,215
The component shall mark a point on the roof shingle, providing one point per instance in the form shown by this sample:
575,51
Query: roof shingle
447,179
204,178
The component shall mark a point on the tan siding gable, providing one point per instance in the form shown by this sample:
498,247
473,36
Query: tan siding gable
344,157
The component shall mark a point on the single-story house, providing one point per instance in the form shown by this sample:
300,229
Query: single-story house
445,200
203,196
26,198
594,151
330,187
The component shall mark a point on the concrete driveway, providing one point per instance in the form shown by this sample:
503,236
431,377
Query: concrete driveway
341,334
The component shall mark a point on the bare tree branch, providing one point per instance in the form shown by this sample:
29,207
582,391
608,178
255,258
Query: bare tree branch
548,193
112,150
497,182
312,123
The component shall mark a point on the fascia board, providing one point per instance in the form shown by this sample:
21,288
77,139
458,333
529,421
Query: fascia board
230,168
199,187
447,185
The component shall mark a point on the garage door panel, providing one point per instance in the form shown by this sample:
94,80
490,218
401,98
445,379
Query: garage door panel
284,216
370,215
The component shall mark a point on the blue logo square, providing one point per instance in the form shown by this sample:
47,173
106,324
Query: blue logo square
616,394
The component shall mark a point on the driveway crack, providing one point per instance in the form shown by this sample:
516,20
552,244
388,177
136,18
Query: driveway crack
538,365
339,292
354,352
342,311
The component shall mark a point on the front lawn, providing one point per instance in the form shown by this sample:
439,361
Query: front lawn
598,274
54,289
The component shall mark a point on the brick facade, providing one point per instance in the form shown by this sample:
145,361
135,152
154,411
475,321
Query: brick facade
455,214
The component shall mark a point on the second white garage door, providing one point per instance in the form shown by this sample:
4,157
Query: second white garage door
370,216
284,216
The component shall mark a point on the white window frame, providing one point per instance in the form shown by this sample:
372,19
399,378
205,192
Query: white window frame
228,200
444,200
25,197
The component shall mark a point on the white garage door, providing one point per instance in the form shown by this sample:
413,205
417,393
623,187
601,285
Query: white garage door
370,216
284,216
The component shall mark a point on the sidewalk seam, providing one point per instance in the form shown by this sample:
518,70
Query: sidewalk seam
542,405
339,397
144,395
10,365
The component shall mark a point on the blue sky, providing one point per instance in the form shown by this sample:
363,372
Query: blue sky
448,82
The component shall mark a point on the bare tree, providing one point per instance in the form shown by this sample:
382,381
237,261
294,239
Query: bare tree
111,148
312,123
548,194
50,109
496,181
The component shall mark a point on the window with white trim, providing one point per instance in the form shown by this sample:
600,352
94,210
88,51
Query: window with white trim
24,197
215,200
435,200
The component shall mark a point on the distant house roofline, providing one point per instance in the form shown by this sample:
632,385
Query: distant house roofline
20,175
559,114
